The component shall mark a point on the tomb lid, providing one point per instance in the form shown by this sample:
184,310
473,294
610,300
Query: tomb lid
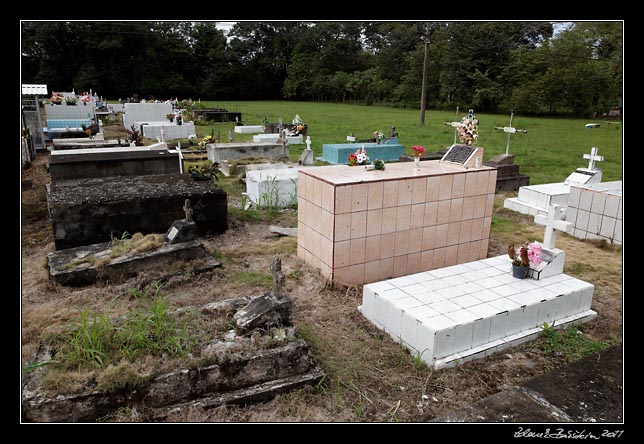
501,159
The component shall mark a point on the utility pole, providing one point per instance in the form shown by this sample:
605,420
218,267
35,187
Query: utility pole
423,95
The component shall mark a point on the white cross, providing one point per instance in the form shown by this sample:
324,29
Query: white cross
592,157
554,221
308,143
180,157
454,125
510,130
162,131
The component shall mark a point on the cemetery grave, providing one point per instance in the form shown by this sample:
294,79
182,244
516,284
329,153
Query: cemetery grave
338,335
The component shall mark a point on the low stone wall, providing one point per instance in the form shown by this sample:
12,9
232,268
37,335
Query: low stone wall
87,211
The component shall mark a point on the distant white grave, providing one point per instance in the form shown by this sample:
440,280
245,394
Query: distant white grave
536,199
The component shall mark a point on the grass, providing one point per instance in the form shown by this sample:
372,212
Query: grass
252,278
549,152
97,340
570,343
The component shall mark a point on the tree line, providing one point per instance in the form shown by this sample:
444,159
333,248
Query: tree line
490,66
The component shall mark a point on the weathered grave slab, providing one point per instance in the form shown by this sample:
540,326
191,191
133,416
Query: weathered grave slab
103,162
276,187
218,152
248,129
67,267
87,211
240,373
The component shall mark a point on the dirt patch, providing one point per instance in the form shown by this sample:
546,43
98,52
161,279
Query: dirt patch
369,377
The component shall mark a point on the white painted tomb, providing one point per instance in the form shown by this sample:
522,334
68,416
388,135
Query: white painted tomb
273,186
249,129
595,211
273,138
536,199
452,315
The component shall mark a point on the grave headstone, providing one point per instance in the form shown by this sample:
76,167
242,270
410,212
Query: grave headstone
508,177
307,155
467,156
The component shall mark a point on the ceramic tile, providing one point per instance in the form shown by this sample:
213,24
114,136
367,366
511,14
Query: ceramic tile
405,191
403,218
440,237
431,213
455,210
443,212
375,195
445,187
374,222
458,185
415,240
433,188
390,194
389,220
401,243
387,242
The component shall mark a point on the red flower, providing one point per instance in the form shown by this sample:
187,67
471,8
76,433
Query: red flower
418,150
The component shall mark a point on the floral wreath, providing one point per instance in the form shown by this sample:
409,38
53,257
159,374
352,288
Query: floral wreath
468,129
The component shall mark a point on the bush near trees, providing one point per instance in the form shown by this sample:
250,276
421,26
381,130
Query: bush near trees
490,66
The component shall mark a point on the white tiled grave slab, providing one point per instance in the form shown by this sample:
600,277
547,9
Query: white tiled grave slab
171,130
456,314
595,210
535,199
249,129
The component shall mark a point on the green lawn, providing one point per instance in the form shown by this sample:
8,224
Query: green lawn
552,148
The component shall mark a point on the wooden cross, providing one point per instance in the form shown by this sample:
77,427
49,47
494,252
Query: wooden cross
510,130
553,222
187,208
592,158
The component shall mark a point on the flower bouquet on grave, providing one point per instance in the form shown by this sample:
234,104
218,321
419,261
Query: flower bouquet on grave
179,119
379,165
134,136
205,141
468,129
522,257
207,171
378,136
192,139
55,99
417,151
71,101
170,116
359,157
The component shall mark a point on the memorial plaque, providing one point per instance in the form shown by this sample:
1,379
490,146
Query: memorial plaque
458,154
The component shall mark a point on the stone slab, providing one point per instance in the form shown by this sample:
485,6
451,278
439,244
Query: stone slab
274,138
85,273
588,390
272,186
248,129
86,211
103,162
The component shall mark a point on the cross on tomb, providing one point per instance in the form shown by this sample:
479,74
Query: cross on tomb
162,131
592,158
553,221
308,143
454,125
510,130
278,278
180,158
187,208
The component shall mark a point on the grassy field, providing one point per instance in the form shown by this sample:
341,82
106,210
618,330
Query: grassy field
549,152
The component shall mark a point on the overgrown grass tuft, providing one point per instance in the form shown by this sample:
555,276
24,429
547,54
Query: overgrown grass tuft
570,343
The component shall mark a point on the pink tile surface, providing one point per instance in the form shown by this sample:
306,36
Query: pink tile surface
359,227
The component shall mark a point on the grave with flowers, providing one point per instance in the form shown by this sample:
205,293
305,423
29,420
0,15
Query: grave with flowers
458,313
387,149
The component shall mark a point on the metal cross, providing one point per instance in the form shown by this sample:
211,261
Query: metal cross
454,125
553,222
187,208
592,157
510,130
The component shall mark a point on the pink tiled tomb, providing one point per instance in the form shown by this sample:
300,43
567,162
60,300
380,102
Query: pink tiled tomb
360,226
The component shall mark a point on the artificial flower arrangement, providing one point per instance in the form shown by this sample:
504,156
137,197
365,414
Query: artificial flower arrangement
359,157
56,99
192,138
418,150
134,136
526,254
203,142
170,116
379,164
207,171
468,129
71,100
378,136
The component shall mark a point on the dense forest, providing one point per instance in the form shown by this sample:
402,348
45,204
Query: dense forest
491,66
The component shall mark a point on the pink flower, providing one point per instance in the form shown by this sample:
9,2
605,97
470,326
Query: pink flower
534,253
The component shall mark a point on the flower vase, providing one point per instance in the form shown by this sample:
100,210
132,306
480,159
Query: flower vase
520,271
416,163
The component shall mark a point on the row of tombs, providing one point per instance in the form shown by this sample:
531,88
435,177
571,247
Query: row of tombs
415,235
